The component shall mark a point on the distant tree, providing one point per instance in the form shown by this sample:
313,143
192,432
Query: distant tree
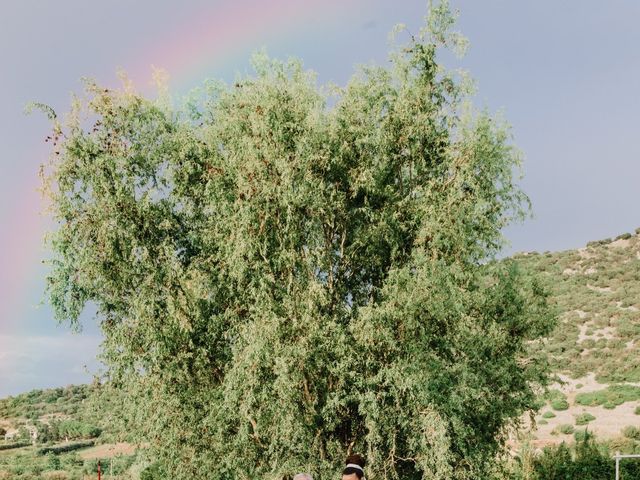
281,279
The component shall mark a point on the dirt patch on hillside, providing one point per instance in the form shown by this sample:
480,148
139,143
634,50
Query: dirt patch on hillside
108,450
608,333
621,243
607,424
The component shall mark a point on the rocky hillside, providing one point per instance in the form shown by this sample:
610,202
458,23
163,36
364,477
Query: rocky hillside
596,347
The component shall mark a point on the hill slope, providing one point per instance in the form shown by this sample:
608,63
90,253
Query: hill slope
597,292
595,348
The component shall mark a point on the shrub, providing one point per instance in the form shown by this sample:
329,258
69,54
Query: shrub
586,461
614,394
584,418
582,435
560,404
548,414
11,446
152,472
565,429
624,236
56,449
637,410
542,422
631,432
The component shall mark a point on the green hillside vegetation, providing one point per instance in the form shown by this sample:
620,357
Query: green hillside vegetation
596,290
37,403
68,421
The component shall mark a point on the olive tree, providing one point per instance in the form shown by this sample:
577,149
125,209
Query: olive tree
286,273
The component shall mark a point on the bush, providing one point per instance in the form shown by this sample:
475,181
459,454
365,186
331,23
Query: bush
565,429
548,414
582,435
584,418
586,461
11,446
631,432
637,410
152,472
560,404
614,394
57,449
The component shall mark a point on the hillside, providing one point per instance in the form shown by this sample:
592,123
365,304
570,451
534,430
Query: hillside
62,433
596,347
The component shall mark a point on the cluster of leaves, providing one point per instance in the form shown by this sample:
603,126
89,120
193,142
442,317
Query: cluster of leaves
280,281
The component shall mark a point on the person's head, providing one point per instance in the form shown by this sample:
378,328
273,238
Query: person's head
354,469
302,476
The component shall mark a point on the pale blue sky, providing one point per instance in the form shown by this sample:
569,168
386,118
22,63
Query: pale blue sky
566,74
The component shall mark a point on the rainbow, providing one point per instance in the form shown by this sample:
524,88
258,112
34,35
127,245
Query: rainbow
220,33
211,39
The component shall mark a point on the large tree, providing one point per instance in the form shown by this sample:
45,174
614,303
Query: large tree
284,275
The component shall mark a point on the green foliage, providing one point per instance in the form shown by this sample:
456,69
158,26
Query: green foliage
586,460
65,447
582,435
152,472
565,429
632,432
11,446
548,414
279,281
637,410
560,404
613,395
624,236
37,403
584,418
53,461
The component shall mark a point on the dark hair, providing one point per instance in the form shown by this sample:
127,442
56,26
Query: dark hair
357,460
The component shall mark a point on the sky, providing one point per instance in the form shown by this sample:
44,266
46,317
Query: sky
566,75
